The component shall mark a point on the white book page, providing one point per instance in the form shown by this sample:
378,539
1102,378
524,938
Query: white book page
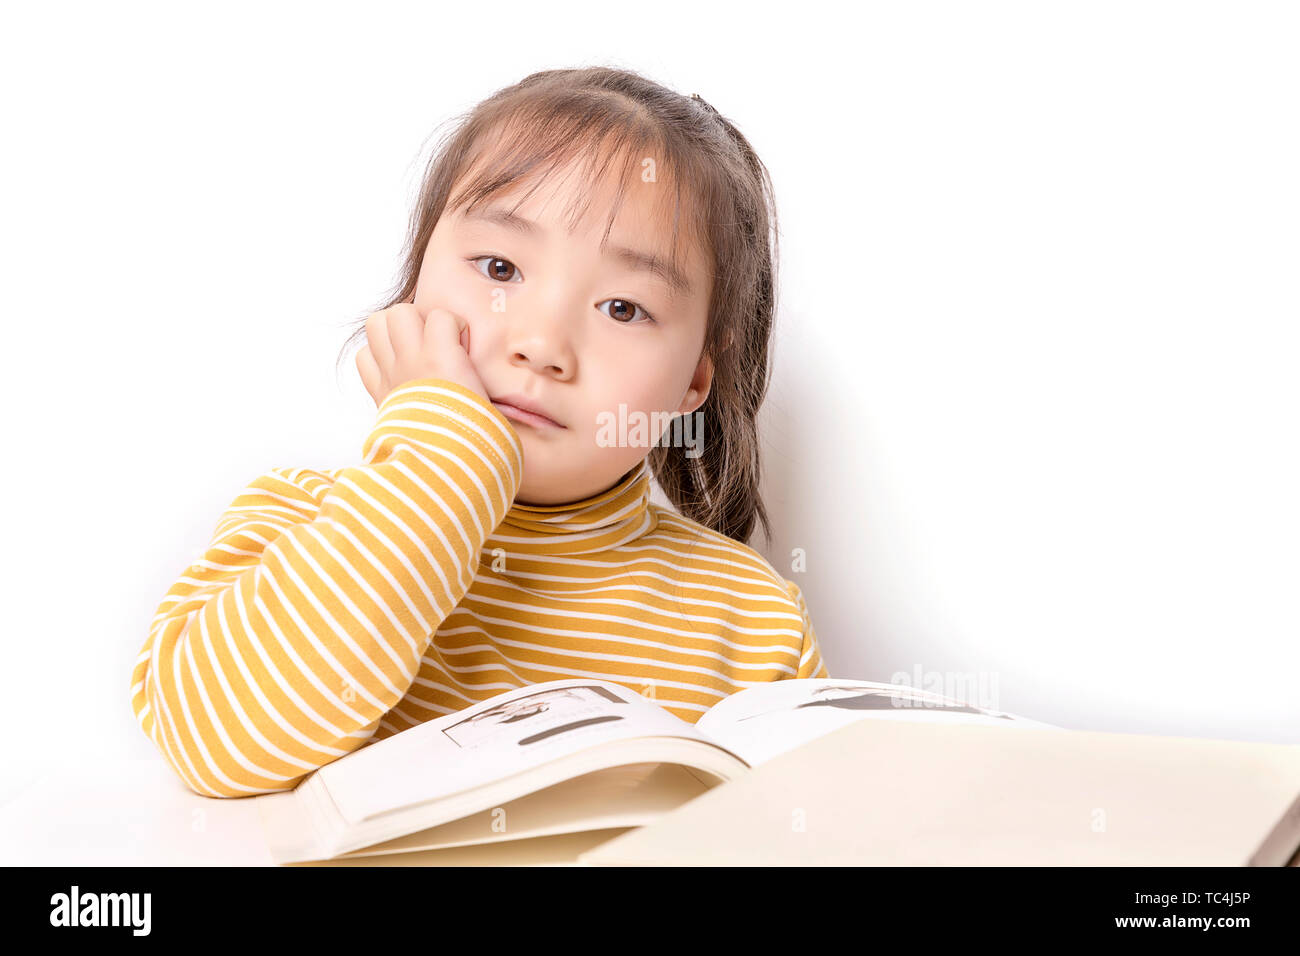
760,722
491,740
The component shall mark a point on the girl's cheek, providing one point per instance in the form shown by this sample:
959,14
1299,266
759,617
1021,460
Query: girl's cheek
444,286
474,297
613,383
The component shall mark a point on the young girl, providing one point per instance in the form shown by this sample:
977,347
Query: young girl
589,252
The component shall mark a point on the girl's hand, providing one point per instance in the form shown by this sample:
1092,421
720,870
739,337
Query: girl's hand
403,346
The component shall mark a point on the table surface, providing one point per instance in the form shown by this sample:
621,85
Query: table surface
128,813
138,813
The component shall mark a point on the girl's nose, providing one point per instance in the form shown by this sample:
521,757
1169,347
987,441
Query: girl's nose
544,347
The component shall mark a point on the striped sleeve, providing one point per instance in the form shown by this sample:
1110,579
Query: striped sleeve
810,658
307,617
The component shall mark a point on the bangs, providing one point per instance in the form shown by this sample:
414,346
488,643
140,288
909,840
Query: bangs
609,149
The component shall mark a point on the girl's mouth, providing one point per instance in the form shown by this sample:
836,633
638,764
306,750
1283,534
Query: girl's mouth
525,417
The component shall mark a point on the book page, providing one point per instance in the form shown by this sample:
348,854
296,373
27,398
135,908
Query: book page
492,740
761,722
627,796
907,793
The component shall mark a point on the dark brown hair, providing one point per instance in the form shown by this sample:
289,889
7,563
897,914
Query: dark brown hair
551,117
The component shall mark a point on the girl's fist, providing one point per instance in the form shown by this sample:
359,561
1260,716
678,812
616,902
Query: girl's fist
403,346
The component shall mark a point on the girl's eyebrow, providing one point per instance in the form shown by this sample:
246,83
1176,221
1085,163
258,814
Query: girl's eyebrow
641,261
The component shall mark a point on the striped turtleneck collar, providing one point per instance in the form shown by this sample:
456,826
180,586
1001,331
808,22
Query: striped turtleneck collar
606,520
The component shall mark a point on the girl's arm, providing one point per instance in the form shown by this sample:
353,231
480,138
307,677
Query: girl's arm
810,657
306,619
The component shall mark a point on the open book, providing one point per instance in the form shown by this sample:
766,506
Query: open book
568,756
912,793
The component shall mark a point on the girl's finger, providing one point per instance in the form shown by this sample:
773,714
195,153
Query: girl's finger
369,372
405,331
377,339
438,326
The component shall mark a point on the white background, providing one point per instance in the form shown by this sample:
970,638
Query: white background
1034,414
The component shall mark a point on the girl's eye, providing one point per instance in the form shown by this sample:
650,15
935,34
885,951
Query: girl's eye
503,270
498,269
626,308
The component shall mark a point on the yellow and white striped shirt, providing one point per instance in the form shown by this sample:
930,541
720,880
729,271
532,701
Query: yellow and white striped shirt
336,608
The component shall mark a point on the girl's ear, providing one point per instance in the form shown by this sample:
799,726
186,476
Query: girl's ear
699,387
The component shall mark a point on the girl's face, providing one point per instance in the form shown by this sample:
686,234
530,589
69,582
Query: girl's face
576,329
